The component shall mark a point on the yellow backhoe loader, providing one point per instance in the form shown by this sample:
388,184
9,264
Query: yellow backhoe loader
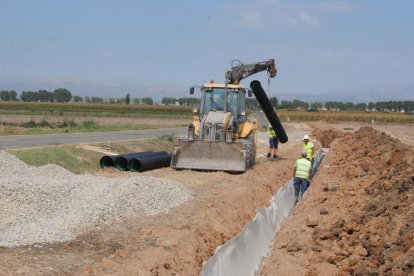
220,136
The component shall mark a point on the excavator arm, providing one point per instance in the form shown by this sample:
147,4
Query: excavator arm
242,71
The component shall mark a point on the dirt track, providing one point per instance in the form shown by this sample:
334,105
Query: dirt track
177,243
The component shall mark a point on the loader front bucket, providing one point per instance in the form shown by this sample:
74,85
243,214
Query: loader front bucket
216,156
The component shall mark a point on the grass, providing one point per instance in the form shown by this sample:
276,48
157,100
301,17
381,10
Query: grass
338,116
74,159
79,160
95,110
68,126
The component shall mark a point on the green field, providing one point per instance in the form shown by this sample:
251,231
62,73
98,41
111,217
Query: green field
79,117
95,110
345,116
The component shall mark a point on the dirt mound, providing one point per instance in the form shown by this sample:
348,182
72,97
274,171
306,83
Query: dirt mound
326,136
362,201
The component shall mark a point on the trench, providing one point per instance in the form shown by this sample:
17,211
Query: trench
244,253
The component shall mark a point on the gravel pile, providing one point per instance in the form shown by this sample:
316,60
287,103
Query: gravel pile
50,204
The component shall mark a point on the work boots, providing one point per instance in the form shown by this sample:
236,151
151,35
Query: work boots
269,155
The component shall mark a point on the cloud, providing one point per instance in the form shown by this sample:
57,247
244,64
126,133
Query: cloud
283,14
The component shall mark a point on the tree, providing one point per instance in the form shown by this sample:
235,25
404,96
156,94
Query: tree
62,95
127,99
147,101
5,95
77,99
274,102
371,106
29,96
252,104
316,106
13,95
361,106
96,100
120,101
137,101
45,96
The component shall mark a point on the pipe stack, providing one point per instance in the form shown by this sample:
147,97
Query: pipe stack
137,161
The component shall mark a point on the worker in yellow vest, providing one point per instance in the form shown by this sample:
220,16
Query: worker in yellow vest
302,174
273,143
309,147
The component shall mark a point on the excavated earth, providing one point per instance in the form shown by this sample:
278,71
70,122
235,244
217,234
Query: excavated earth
176,242
357,218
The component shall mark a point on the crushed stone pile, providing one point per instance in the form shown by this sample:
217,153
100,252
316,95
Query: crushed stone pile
50,204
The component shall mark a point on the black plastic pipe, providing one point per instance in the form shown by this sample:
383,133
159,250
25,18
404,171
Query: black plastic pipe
121,162
145,163
109,160
268,110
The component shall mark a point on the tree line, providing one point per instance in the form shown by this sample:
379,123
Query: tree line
62,95
392,106
181,101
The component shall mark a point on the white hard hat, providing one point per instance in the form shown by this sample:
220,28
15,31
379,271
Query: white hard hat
269,125
306,137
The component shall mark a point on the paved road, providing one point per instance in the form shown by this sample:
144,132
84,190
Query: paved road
30,141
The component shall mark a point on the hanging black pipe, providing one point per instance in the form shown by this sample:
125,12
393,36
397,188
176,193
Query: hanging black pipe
121,162
109,160
268,110
145,163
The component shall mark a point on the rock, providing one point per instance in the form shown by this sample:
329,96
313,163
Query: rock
334,259
312,221
350,227
322,234
360,251
292,247
323,211
121,253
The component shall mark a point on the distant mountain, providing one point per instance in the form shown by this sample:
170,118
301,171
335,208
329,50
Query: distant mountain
367,95
108,89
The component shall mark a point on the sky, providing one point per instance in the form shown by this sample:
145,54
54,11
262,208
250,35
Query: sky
159,48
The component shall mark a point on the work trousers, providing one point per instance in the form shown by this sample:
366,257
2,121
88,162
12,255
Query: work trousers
300,185
273,144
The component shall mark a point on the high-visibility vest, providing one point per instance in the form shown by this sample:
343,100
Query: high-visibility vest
271,133
303,166
308,148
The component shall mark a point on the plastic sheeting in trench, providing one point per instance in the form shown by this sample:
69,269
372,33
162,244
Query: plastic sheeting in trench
243,255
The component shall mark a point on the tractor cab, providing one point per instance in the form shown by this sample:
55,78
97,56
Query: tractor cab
227,99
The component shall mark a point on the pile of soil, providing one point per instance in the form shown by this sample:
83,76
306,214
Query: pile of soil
357,217
327,135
